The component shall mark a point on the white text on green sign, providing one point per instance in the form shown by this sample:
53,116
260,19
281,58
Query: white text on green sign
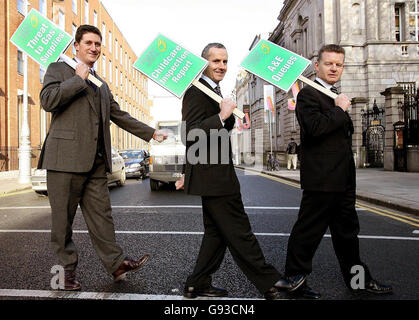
40,38
170,65
275,64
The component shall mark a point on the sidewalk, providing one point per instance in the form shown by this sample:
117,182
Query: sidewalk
9,183
391,189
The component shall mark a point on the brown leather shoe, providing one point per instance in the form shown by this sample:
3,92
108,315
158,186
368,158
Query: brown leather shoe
70,281
127,266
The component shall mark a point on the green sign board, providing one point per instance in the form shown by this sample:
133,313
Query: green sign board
275,64
170,65
40,38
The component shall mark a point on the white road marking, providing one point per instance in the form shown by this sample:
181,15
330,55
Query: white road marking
201,233
98,295
415,231
168,207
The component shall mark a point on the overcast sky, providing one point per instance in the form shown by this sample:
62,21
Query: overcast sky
193,24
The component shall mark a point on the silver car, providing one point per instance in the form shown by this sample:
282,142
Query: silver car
118,176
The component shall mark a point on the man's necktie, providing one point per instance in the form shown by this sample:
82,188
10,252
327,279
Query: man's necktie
334,90
218,91
90,83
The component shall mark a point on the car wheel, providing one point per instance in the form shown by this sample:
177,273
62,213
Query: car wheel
122,179
154,185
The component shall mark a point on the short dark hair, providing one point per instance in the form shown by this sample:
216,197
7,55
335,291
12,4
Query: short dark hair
86,28
330,48
205,52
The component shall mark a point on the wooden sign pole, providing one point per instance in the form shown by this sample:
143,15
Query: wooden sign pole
318,87
215,96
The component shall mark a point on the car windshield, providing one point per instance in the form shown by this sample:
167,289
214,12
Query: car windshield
132,154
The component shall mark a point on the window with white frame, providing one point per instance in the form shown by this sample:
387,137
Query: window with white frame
104,34
399,21
21,6
120,55
86,12
110,71
116,77
110,42
43,7
74,30
104,66
74,6
116,49
61,19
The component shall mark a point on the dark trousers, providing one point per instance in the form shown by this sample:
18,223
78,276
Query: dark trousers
66,191
318,211
227,226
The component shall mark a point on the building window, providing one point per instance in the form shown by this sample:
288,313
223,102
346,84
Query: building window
126,85
41,74
116,50
104,66
120,55
74,29
86,12
21,6
61,19
95,18
116,77
122,82
19,62
104,34
110,71
74,6
110,41
398,22
43,7
129,65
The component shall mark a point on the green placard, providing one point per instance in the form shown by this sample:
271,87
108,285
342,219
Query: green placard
275,64
40,38
170,65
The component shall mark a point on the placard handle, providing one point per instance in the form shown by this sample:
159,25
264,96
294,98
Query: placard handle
318,87
73,64
216,97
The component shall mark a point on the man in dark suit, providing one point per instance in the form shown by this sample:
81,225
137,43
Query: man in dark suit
77,155
328,182
209,172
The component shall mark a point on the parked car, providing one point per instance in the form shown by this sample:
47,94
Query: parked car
137,163
118,175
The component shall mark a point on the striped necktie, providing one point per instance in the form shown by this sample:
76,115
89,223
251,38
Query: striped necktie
218,91
90,83
334,90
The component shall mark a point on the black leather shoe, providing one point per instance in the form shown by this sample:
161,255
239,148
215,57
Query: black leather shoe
291,283
192,292
273,294
70,281
374,287
305,292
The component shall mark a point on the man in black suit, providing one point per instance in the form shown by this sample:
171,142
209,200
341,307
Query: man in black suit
77,155
328,181
209,172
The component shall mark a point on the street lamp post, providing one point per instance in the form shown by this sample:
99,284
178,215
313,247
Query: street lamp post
25,145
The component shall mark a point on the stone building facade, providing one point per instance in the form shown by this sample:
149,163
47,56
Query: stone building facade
115,65
379,38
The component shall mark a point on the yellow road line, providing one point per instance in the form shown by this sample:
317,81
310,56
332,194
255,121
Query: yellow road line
396,216
392,215
14,193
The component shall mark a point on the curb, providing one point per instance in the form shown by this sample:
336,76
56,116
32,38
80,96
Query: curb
16,189
359,196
